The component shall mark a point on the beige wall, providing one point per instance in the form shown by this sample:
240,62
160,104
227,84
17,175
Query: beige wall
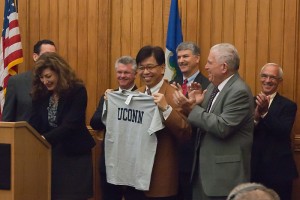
91,34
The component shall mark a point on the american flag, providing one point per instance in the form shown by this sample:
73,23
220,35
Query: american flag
11,53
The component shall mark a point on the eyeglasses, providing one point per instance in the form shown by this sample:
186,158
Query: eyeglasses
272,78
148,67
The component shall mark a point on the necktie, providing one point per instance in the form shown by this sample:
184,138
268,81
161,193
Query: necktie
149,92
184,86
211,98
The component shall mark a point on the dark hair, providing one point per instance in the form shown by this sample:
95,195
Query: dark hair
148,51
66,76
37,46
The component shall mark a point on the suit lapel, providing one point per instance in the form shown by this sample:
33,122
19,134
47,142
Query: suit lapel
275,104
224,91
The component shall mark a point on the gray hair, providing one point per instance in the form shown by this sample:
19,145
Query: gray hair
280,71
243,192
189,46
227,53
126,60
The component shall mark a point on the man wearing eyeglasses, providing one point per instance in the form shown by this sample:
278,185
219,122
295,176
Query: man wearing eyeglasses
164,177
272,159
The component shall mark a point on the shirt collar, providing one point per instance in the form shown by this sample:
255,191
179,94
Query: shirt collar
156,88
191,78
130,89
221,85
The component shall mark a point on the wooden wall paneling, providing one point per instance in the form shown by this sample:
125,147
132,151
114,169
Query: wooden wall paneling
101,56
23,25
228,21
34,26
72,39
250,43
205,29
191,20
136,32
116,35
297,80
44,19
263,29
198,30
136,27
82,42
289,49
240,32
126,27
97,75
217,21
147,22
158,24
276,30
63,16
53,22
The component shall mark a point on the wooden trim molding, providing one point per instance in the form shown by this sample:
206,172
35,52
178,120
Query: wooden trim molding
297,143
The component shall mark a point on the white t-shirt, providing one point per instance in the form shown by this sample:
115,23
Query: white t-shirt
130,144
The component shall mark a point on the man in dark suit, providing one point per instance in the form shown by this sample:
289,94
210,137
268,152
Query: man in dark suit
17,106
223,115
188,58
272,159
125,68
164,177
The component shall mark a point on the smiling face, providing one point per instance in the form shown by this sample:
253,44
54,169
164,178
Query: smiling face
150,72
270,79
187,62
125,75
49,78
216,71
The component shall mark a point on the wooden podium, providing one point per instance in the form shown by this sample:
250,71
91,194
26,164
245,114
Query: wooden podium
29,158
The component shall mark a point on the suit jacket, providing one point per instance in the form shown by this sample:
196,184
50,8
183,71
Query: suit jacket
164,178
96,124
187,149
200,78
272,157
17,106
226,137
71,131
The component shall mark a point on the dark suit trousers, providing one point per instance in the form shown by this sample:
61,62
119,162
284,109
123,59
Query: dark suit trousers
117,192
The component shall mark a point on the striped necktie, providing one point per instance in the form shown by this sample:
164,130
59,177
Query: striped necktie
211,98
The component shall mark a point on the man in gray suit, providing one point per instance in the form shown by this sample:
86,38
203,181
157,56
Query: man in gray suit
224,116
17,106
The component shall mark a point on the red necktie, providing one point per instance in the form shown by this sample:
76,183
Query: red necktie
184,86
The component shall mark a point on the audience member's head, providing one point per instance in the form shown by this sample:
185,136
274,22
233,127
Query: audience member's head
252,191
125,72
188,58
41,47
270,78
151,65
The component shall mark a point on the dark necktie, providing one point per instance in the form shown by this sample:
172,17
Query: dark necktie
184,86
211,98
149,92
